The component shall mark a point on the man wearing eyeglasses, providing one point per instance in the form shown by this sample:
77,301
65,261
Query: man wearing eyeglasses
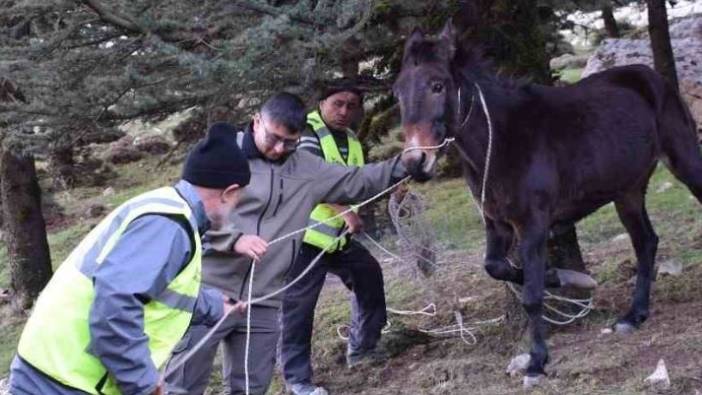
330,137
289,185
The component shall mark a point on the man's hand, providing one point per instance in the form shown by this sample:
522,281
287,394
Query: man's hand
231,305
353,222
159,389
252,246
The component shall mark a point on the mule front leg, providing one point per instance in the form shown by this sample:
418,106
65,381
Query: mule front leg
499,239
532,250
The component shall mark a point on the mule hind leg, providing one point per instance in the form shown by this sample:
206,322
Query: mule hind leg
632,212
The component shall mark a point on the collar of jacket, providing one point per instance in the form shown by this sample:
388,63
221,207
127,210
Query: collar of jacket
187,191
316,121
248,145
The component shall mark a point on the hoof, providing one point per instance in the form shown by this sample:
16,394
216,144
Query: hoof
533,381
624,328
573,279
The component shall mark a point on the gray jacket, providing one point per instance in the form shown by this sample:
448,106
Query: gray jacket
279,200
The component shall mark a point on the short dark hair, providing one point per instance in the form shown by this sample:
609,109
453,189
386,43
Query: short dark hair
286,109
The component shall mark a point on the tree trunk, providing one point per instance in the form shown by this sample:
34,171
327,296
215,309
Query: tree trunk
663,58
609,22
25,230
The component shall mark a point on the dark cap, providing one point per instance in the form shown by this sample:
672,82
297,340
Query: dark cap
217,161
343,85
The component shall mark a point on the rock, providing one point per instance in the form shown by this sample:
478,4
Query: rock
620,238
518,365
4,387
155,145
672,267
109,191
664,187
569,61
533,381
607,331
96,210
4,295
687,46
101,136
123,151
659,378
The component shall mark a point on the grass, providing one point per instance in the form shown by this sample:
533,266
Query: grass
570,76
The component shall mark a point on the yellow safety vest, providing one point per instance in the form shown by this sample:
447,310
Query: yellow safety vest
323,235
56,337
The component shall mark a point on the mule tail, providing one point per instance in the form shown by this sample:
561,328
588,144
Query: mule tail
679,142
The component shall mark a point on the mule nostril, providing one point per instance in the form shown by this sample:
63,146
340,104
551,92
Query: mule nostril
422,160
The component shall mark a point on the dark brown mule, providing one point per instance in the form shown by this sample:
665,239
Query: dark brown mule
558,154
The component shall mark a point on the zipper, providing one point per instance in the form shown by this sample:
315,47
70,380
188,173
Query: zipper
280,197
258,233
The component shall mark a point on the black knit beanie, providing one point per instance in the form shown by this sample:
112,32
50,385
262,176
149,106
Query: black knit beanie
216,161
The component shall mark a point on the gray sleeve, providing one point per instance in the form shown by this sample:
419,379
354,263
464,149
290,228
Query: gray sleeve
220,241
146,258
349,184
209,307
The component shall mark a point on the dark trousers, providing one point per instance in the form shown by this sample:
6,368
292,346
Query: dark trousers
193,376
361,274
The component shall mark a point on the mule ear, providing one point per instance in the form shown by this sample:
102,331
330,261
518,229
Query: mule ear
448,36
416,36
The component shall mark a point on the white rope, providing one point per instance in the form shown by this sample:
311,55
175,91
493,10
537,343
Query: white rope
395,256
586,305
470,110
428,310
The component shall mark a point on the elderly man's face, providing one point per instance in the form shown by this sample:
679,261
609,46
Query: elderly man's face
340,109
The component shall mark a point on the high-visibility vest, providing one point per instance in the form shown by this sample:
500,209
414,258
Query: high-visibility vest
56,338
324,234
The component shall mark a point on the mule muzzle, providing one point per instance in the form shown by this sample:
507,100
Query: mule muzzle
419,156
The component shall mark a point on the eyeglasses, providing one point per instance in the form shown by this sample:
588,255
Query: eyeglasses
273,140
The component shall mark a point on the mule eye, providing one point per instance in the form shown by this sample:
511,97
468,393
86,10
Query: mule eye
437,87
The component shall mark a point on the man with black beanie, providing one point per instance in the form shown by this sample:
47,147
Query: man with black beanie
289,184
116,307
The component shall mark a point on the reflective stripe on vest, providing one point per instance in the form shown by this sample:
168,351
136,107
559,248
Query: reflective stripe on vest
56,338
324,234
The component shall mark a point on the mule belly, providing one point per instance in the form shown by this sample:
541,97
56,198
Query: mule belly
577,210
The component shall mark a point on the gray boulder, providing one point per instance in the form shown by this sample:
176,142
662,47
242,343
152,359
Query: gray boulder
686,39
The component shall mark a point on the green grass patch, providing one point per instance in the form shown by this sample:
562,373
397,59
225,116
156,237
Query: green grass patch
452,213
10,331
570,76
4,269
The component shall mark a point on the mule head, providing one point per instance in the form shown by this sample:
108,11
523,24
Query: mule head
426,93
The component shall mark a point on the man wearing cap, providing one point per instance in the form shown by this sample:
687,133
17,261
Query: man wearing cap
116,307
330,137
289,185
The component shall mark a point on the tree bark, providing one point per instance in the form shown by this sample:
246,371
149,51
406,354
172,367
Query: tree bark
25,230
609,22
663,58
